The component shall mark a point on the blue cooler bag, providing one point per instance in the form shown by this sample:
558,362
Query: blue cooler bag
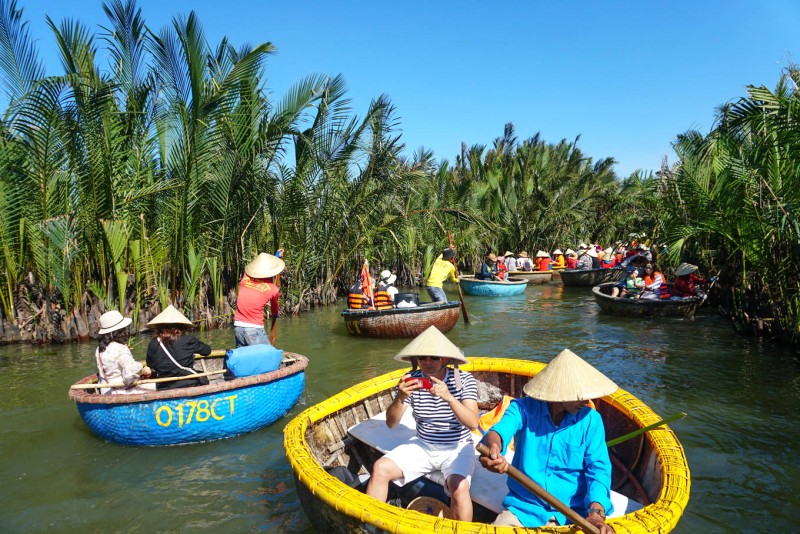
253,360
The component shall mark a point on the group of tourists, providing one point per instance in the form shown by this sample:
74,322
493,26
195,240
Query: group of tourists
559,439
172,349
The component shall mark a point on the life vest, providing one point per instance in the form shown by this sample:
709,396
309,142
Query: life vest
356,300
383,299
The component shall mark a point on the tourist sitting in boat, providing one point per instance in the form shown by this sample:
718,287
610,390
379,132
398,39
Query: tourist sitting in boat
655,286
559,262
588,260
502,270
115,362
445,409
510,261
608,261
542,261
633,285
571,260
560,444
444,268
171,351
384,296
686,280
488,268
257,290
524,263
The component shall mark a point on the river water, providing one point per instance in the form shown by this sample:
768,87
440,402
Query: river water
741,436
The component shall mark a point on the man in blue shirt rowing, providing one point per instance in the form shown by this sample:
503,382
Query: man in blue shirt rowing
559,442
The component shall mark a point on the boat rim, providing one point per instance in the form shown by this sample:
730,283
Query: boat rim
424,307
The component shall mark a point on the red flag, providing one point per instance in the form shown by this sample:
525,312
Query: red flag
366,284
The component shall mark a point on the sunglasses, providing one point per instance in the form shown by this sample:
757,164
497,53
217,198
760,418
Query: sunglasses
432,358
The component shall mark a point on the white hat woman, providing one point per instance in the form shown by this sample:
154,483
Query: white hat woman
257,290
171,351
445,414
384,296
115,363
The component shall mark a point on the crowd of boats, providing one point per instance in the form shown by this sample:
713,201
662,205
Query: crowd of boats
650,476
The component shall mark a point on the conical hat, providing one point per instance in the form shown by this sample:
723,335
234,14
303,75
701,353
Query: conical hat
542,254
591,252
169,316
431,343
609,250
569,252
508,253
557,252
568,378
264,266
685,268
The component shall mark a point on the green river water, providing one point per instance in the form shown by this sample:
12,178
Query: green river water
741,437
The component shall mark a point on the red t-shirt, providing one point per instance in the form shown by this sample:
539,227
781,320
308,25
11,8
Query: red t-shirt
254,295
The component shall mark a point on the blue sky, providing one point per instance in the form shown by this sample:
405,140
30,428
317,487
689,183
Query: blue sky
627,76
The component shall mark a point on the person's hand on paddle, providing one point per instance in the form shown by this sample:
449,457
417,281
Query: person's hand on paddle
145,372
599,521
495,462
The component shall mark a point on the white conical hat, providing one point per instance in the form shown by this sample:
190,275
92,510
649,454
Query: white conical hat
557,251
264,266
169,316
568,378
685,268
542,254
591,252
569,252
431,343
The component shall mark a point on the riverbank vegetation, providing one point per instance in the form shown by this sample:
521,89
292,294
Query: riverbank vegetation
158,164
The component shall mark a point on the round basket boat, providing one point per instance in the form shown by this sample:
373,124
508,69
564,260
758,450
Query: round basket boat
650,472
221,409
491,288
591,277
533,277
627,307
402,322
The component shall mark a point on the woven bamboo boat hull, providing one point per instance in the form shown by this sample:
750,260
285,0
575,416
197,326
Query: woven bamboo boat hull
402,322
489,288
642,307
533,277
591,277
317,438
221,409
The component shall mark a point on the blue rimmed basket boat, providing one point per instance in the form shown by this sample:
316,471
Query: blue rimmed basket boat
625,307
591,277
402,322
221,409
490,288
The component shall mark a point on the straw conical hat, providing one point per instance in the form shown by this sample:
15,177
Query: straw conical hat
431,343
685,268
169,316
542,254
569,252
491,256
264,266
508,253
568,378
523,254
592,252
609,250
557,252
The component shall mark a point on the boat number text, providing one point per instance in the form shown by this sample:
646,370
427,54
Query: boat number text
195,411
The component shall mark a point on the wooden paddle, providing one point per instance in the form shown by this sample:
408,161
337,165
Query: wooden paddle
546,496
626,437
273,331
145,381
460,294
710,286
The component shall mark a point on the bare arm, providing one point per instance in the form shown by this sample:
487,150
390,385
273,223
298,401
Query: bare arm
495,462
398,407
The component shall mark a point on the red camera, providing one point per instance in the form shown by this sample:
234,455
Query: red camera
426,382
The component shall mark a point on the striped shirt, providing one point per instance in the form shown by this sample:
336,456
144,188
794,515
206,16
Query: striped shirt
436,422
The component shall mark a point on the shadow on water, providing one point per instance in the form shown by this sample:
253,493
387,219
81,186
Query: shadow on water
740,437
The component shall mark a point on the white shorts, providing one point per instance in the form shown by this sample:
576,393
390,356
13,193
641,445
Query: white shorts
418,458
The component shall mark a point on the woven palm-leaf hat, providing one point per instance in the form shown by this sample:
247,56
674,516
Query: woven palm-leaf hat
570,252
508,253
685,268
557,252
431,342
523,254
542,254
569,378
591,252
170,315
264,266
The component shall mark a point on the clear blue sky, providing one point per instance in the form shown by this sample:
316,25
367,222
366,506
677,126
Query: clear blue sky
627,76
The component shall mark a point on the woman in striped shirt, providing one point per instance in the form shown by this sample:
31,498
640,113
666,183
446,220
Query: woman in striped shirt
444,401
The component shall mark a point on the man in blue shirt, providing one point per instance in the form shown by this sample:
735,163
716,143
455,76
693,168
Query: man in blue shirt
559,442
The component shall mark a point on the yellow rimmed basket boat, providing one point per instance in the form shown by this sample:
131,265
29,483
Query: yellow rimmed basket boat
650,469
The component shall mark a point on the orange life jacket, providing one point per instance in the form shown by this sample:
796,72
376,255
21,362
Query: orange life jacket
357,300
383,300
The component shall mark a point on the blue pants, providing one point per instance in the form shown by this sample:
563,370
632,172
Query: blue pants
246,336
436,294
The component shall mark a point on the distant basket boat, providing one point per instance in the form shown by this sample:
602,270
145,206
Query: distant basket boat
591,277
644,307
491,288
221,409
402,322
533,277
650,476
